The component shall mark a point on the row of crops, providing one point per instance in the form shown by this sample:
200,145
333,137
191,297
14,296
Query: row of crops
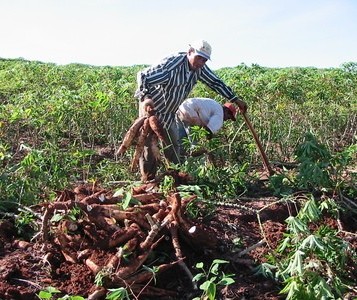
53,119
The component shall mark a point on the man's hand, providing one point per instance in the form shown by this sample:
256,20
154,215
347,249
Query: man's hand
198,152
241,104
148,106
209,132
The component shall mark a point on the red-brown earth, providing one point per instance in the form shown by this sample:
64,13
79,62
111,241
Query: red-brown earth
57,256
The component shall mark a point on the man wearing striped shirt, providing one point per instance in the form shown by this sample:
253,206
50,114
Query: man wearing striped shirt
166,85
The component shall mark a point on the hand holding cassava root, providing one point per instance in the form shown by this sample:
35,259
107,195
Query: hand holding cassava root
147,130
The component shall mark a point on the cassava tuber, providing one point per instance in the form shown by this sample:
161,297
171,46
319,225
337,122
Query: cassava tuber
130,135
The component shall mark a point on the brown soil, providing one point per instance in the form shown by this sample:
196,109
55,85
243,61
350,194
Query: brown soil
58,256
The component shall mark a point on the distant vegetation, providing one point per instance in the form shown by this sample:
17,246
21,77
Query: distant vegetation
53,119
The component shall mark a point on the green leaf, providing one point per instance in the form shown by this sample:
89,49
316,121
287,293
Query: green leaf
311,242
204,286
295,265
119,192
56,218
198,277
214,269
126,200
117,294
290,289
296,225
265,269
48,293
53,290
298,261
284,244
45,295
226,281
211,291
310,211
220,261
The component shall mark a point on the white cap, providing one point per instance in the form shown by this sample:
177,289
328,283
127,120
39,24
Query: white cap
202,48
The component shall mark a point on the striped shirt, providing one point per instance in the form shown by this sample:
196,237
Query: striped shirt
171,81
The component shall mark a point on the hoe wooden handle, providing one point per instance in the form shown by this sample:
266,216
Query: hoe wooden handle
260,147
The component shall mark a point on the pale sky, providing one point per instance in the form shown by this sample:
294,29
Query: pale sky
270,33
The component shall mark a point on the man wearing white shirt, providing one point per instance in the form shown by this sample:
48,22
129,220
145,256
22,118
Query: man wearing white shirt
203,112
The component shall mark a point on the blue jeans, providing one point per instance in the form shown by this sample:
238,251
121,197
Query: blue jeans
184,131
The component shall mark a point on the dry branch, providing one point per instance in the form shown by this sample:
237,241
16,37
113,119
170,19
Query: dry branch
155,228
114,261
94,198
178,252
148,198
247,250
145,276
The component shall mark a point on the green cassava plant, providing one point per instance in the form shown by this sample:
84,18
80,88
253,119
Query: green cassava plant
341,162
127,198
117,294
318,169
167,185
102,276
311,259
50,293
199,206
25,224
212,279
314,160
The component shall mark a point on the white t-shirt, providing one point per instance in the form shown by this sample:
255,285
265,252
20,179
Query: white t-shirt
201,112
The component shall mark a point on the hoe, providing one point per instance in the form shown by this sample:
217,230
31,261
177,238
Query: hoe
259,145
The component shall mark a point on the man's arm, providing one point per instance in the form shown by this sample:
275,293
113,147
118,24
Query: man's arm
209,132
241,104
211,79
